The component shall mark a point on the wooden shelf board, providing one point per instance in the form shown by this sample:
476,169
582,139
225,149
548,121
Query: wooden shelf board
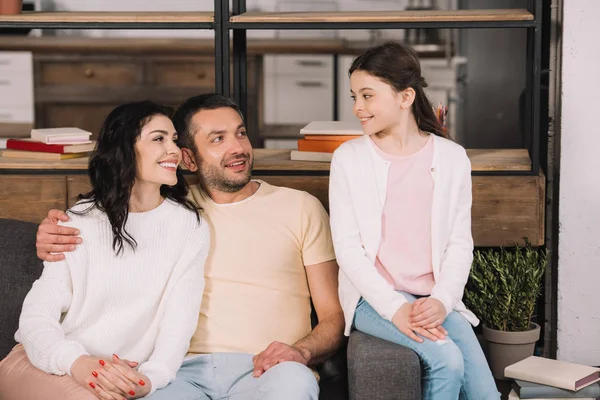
110,17
386,16
279,160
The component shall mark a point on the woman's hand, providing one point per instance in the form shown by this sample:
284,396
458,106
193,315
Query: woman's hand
427,313
118,371
87,371
402,321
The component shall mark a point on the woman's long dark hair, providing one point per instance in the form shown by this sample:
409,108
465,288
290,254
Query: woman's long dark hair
399,67
112,168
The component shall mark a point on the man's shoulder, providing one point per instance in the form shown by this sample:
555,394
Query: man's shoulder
291,196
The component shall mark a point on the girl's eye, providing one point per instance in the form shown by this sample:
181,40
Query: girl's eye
366,96
353,98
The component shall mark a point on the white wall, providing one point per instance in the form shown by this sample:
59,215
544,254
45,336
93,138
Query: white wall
579,207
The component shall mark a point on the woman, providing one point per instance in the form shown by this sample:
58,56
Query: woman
132,289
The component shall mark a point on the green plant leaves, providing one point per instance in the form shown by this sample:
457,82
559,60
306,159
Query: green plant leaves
504,285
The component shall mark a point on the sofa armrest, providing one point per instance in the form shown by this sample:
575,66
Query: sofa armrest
381,370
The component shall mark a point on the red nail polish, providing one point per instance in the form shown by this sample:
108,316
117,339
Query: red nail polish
142,383
131,392
95,374
102,362
117,357
92,385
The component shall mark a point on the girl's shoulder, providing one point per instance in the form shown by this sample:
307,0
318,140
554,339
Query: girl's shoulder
353,148
449,150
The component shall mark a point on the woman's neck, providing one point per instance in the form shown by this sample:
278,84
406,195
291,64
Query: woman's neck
144,197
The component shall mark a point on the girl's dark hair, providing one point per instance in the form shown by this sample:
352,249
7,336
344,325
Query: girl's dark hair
112,168
399,67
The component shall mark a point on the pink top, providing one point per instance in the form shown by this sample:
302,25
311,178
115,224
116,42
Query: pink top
404,257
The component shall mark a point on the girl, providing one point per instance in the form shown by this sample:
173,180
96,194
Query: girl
400,203
132,289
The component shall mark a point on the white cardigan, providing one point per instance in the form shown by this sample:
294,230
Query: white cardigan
357,192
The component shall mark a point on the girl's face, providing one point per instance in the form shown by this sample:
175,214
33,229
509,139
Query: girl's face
157,153
377,104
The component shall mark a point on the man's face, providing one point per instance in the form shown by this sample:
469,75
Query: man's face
225,156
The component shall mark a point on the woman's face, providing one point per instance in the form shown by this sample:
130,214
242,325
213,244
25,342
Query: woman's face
157,153
376,104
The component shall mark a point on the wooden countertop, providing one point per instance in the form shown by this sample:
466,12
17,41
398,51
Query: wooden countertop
88,45
111,17
279,160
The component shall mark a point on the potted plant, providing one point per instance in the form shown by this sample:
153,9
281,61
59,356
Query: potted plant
502,291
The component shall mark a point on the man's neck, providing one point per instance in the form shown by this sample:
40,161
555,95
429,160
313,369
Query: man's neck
228,198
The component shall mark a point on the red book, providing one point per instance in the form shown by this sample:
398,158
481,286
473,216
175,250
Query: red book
32,145
323,146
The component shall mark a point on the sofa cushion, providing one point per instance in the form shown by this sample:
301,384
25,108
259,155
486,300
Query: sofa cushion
19,268
382,370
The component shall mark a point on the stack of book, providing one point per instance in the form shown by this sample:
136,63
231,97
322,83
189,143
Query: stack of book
543,378
50,144
322,138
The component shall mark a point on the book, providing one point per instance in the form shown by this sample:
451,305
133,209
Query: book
341,138
333,128
3,142
530,390
514,396
61,135
34,155
297,155
550,372
324,146
33,145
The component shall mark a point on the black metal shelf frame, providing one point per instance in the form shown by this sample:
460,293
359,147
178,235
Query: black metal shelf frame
533,67
223,27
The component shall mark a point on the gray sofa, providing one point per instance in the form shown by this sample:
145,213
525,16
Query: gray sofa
375,369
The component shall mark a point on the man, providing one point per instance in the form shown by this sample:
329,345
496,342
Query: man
271,252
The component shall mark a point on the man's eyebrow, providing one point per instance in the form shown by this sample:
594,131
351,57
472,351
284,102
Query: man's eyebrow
217,132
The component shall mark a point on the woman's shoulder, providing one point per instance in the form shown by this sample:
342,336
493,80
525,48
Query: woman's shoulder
185,218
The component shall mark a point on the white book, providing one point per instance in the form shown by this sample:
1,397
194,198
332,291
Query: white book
556,373
332,128
514,396
297,155
3,143
67,135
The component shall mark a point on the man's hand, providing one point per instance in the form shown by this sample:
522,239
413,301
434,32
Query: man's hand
88,372
274,354
428,313
52,238
402,321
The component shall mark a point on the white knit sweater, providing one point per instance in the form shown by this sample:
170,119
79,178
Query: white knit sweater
142,305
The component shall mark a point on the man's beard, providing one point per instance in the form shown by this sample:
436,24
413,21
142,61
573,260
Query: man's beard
214,178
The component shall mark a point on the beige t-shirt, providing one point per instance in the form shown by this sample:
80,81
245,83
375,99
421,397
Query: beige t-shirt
256,289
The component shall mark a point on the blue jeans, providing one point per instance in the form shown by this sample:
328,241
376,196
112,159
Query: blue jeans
229,376
453,369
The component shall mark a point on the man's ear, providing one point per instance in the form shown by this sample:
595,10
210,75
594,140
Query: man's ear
189,161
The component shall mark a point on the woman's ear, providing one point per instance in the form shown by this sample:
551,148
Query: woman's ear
407,98
189,160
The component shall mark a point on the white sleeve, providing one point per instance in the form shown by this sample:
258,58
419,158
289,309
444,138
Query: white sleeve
458,255
350,253
40,330
181,312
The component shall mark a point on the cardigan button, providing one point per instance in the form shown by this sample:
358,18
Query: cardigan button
432,169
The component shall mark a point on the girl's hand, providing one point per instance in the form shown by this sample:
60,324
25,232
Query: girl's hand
402,321
428,313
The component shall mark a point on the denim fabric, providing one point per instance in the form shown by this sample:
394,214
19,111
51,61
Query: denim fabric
453,368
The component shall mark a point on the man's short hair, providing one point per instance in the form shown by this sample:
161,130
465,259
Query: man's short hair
182,120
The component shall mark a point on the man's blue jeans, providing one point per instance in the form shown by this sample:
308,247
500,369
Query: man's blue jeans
454,368
229,376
